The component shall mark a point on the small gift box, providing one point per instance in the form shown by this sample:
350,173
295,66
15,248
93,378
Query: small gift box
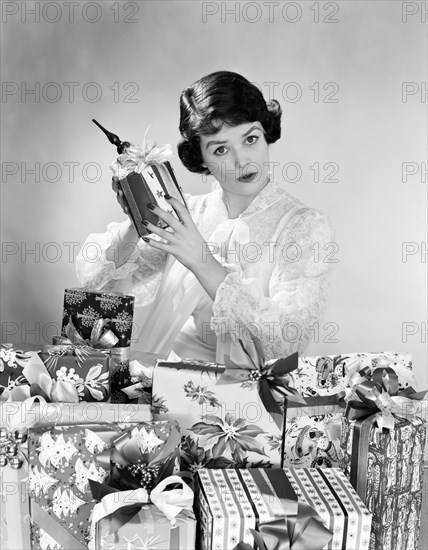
281,508
383,443
231,414
63,460
146,176
131,381
101,320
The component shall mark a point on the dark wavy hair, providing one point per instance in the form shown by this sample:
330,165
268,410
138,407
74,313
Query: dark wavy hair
222,97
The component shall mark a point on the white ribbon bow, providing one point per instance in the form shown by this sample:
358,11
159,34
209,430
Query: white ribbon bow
170,503
239,233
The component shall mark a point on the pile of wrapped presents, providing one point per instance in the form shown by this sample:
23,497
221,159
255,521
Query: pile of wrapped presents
104,447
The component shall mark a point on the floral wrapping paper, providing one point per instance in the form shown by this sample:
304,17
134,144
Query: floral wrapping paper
61,460
231,502
149,530
223,426
85,307
393,474
86,368
325,375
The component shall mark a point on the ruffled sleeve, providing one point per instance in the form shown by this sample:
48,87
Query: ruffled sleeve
298,289
140,275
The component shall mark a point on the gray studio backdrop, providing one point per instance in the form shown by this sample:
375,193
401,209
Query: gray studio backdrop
350,76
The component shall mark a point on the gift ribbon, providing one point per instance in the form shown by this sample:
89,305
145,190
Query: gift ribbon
379,402
42,385
129,503
270,377
99,338
300,527
125,450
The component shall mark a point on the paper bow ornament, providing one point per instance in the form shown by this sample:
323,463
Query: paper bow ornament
272,377
378,393
136,158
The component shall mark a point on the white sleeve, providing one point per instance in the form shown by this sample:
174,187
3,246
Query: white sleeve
298,292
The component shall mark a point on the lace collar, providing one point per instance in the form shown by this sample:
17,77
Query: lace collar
270,193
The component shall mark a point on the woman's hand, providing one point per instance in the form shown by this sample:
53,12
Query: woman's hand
115,184
183,239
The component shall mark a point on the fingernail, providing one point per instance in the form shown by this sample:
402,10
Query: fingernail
145,239
151,206
167,196
145,222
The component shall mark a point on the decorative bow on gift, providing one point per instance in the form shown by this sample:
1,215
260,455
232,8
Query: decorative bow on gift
300,529
142,378
136,158
100,338
139,475
249,366
380,395
41,385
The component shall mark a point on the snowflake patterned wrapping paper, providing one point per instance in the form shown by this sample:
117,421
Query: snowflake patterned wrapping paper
61,460
223,426
232,502
326,375
149,530
86,368
388,466
85,307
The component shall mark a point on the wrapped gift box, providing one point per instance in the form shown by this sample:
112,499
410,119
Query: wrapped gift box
149,529
312,434
88,369
386,468
327,374
131,381
15,520
62,459
223,426
83,308
150,186
256,497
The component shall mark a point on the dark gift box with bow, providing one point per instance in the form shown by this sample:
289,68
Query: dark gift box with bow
231,415
65,460
85,307
279,508
383,442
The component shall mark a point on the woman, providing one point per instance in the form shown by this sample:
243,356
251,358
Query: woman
242,262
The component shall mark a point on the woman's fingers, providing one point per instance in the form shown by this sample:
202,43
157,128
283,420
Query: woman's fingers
115,184
167,217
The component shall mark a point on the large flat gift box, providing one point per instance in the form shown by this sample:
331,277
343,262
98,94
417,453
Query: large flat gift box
386,468
83,310
86,368
223,425
62,459
320,509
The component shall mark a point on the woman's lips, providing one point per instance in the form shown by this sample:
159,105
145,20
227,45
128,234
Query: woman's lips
248,177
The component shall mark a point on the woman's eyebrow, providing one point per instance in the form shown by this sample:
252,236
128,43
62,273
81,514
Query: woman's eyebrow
221,142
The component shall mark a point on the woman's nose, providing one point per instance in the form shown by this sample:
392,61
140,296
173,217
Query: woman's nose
242,158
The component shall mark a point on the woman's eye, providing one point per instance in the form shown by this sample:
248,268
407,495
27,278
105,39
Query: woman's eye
253,138
220,150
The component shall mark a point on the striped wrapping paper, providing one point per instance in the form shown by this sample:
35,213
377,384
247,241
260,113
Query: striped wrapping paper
337,503
231,502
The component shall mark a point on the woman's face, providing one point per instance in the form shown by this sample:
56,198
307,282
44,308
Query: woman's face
238,157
